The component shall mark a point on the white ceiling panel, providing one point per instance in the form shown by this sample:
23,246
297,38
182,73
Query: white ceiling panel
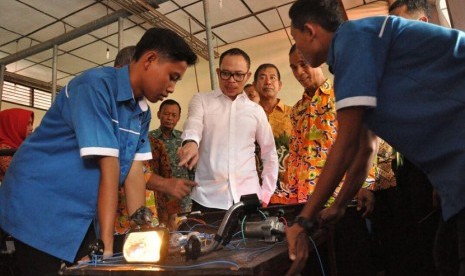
11,13
373,9
43,56
19,65
257,5
184,3
96,52
58,8
90,14
38,72
272,18
7,36
182,19
50,32
349,4
77,42
229,10
167,7
232,32
74,65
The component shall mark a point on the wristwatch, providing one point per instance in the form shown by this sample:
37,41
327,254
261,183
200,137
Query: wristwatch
308,225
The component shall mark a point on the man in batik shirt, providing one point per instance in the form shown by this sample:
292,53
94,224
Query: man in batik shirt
267,82
169,114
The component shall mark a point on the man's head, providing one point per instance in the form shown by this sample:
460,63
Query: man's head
310,78
234,72
160,60
251,93
313,24
169,114
124,56
267,81
410,9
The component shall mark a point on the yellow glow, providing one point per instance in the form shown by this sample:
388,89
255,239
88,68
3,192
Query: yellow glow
142,247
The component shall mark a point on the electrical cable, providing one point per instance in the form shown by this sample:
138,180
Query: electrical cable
318,255
242,228
175,267
263,214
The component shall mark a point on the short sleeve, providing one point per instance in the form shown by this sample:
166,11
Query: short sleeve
90,109
357,56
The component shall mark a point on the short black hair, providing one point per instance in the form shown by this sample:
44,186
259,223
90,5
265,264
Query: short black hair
326,13
169,102
412,6
248,85
263,67
124,56
167,43
236,52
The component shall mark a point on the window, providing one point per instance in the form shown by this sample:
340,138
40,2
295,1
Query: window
27,96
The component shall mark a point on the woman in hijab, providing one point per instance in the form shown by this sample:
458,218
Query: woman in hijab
15,126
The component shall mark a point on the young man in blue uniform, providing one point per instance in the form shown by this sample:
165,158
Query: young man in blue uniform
92,139
414,99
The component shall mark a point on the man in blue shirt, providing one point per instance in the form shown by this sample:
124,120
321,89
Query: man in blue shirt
92,140
414,99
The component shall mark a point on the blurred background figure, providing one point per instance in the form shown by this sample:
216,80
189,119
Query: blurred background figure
15,126
251,92
124,56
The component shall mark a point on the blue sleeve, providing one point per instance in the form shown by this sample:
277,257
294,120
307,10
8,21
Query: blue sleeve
90,108
359,55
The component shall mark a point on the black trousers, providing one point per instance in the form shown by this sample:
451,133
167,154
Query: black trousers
34,262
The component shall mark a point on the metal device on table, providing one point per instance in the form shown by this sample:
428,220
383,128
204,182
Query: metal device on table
270,229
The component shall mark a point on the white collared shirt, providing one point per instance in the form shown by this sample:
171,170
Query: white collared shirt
226,132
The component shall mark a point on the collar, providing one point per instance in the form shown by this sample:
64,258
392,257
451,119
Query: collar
157,133
325,88
125,92
219,93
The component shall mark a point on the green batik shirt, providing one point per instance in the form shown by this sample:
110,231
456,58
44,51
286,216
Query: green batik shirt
172,144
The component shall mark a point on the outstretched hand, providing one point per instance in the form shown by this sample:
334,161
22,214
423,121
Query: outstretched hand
188,155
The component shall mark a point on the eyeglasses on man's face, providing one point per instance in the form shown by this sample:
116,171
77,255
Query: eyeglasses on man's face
237,76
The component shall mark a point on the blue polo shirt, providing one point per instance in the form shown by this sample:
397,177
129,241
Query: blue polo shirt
49,195
411,76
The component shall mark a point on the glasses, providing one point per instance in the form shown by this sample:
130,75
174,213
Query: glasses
226,75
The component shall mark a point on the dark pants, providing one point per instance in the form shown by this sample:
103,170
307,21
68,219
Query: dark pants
353,245
199,207
449,250
35,262
402,240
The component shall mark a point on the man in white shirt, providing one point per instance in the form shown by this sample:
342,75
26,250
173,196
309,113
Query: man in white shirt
219,136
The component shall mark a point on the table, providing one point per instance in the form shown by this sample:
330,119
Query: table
239,257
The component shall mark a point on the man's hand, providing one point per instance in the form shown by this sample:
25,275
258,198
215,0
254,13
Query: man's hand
298,248
330,216
188,155
365,199
179,187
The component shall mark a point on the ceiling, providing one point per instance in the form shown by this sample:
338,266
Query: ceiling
26,23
